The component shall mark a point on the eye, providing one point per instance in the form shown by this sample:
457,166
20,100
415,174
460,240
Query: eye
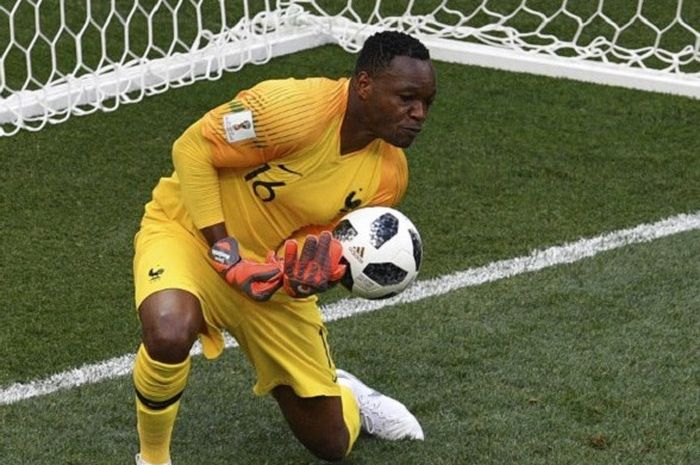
406,97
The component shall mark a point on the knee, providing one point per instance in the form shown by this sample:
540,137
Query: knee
317,422
331,447
168,343
330,443
170,327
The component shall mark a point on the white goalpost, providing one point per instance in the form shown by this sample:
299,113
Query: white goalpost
60,58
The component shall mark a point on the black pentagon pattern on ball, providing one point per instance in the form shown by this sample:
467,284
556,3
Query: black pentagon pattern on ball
383,228
385,274
345,231
346,281
417,247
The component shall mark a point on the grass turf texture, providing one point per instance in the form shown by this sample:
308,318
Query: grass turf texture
587,363
508,162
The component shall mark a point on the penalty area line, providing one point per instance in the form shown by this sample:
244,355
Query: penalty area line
535,261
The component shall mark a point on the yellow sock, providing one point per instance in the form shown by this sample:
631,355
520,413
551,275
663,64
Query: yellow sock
351,415
158,390
155,429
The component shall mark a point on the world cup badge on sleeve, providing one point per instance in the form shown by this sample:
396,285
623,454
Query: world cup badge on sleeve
239,126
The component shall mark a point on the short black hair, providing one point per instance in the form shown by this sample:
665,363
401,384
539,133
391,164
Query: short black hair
380,48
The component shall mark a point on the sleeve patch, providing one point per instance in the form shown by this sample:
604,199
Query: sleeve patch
239,126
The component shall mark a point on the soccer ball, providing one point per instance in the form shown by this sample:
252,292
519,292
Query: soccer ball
383,251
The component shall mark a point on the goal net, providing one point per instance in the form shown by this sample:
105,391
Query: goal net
72,57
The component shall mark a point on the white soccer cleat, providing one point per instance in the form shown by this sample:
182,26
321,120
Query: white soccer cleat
381,415
140,461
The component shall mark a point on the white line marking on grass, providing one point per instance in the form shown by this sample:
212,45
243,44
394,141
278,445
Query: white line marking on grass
536,260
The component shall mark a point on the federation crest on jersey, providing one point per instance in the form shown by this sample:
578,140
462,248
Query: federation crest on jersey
239,126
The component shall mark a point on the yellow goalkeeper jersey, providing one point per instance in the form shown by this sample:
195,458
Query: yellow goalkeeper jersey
268,164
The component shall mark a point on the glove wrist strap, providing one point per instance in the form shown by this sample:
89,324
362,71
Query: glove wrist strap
224,254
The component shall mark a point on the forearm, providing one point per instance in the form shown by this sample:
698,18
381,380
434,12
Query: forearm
214,233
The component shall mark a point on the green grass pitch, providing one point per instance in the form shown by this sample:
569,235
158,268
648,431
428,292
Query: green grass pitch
594,362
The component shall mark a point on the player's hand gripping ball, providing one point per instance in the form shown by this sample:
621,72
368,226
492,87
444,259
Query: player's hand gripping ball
316,269
383,250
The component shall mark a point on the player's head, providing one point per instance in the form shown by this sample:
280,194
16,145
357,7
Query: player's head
395,80
381,48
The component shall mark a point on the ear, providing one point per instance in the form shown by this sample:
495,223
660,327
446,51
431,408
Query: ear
363,85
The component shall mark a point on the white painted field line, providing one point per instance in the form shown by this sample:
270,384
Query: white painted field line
537,260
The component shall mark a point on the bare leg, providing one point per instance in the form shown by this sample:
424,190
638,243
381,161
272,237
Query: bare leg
317,422
170,321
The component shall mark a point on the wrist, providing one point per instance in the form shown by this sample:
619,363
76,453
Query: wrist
224,255
214,233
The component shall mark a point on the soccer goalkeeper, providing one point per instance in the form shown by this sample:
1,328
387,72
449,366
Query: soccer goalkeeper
236,239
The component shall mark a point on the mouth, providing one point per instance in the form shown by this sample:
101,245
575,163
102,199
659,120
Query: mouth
413,130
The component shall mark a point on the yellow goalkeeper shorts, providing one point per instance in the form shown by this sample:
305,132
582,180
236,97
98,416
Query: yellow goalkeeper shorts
284,338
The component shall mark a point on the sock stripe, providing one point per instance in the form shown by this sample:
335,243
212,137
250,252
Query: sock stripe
158,405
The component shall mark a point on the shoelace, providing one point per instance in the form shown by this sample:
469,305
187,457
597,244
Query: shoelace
372,404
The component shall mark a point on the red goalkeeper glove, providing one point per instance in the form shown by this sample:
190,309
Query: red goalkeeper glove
316,269
258,280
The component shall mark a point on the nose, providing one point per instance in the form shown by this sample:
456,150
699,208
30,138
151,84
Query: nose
419,111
